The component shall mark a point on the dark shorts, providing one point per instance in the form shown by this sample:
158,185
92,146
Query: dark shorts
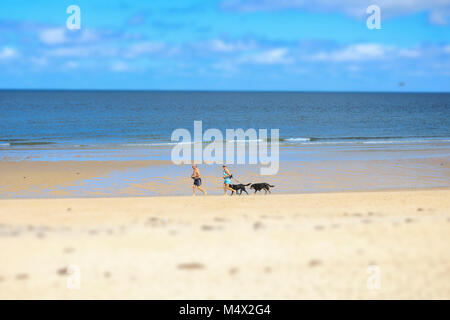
197,182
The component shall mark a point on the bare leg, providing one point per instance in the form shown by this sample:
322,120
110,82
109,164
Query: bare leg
194,189
227,187
202,190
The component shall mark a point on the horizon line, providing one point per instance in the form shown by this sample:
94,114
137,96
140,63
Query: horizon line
220,90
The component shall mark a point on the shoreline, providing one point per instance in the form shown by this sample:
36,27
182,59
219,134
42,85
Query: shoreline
143,178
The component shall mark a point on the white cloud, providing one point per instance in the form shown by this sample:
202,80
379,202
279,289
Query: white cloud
85,51
142,48
219,45
439,10
227,66
58,36
409,53
8,53
363,52
120,66
356,52
88,36
272,56
447,49
72,65
53,36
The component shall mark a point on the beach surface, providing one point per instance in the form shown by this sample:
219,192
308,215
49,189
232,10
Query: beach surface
333,171
347,245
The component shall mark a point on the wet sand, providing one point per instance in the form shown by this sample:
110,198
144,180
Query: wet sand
55,178
370,245
65,179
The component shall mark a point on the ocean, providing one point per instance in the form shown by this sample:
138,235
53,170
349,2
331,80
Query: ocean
39,123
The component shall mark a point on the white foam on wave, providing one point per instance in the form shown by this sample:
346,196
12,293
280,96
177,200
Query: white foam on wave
297,139
245,140
307,141
405,141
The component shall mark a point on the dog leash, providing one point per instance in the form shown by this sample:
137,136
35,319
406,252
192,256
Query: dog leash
232,177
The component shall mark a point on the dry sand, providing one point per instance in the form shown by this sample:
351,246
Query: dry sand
328,245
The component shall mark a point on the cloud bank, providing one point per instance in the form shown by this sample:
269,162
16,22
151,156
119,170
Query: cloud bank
438,10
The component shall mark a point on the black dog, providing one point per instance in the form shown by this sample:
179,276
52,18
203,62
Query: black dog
239,187
261,186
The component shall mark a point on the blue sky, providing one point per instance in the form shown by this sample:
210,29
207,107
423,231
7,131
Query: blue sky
226,45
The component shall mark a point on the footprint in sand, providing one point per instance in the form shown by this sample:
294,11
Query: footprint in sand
257,225
69,209
319,227
314,263
69,250
233,271
267,270
1,279
190,266
40,235
366,221
63,271
107,274
207,228
409,220
219,219
419,209
22,276
155,222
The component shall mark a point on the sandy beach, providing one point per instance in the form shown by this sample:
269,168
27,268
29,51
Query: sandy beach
139,141
324,245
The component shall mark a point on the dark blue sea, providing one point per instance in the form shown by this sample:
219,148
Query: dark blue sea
42,122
